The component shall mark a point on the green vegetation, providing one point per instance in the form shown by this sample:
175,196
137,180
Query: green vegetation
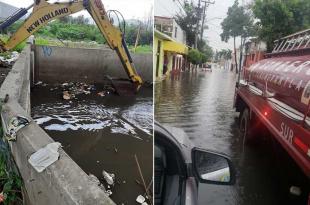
196,57
238,22
77,32
18,48
6,55
280,18
10,181
142,49
188,22
223,54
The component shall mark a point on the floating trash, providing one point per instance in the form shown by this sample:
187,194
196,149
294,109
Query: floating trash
67,95
9,58
140,199
109,192
39,83
109,178
294,190
101,94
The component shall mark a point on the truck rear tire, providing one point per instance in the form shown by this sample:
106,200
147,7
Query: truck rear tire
246,127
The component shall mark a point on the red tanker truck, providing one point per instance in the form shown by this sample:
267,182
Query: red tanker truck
275,92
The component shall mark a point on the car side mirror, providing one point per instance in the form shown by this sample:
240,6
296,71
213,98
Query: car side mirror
212,168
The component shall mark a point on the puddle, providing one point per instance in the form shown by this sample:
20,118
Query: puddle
101,133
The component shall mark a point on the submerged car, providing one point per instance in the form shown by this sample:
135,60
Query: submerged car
179,167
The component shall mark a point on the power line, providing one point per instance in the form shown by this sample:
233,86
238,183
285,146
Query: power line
207,3
164,7
180,5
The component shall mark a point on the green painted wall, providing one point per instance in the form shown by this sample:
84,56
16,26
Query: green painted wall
161,57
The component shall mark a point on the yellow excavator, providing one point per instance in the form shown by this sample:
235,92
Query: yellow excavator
44,12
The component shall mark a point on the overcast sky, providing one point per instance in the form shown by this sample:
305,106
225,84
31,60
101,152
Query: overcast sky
131,9
215,15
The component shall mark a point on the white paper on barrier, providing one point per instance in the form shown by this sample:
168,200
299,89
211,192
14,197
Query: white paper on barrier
45,156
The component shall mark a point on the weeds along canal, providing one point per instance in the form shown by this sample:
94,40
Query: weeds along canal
101,132
201,103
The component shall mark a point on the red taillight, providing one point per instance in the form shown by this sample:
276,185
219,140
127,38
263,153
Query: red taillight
265,113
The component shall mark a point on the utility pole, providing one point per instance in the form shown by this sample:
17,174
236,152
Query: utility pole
197,26
207,3
138,37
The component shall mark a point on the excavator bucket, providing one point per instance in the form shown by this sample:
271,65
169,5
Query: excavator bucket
124,87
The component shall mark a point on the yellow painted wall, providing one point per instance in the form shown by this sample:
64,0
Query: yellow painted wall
169,47
175,47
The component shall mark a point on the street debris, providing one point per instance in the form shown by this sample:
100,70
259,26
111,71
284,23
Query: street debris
101,94
96,181
66,95
109,192
15,124
294,190
39,83
140,199
71,90
138,182
45,156
109,178
8,58
148,195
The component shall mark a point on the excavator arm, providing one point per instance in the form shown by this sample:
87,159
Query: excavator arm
44,12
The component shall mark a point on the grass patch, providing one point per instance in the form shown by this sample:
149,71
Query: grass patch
142,49
18,48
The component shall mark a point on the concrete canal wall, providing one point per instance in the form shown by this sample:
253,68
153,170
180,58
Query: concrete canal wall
58,64
64,182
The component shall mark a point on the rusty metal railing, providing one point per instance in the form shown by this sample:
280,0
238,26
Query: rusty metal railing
296,41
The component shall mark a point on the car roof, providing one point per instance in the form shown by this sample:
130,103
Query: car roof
178,137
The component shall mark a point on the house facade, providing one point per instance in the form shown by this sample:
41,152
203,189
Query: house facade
169,46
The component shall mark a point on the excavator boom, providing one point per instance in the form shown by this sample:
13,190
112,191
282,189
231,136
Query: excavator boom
44,12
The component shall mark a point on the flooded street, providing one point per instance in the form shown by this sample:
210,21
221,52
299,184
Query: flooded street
201,103
102,133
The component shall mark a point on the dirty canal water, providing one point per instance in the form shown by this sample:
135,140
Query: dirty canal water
101,133
201,103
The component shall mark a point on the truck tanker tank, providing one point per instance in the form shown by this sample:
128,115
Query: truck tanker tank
287,78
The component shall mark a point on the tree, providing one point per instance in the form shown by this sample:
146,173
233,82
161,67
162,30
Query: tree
188,21
194,56
280,18
237,23
205,49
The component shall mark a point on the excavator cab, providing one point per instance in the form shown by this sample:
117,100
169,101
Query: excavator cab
44,12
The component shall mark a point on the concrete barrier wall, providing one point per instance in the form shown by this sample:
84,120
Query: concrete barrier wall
59,64
64,182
